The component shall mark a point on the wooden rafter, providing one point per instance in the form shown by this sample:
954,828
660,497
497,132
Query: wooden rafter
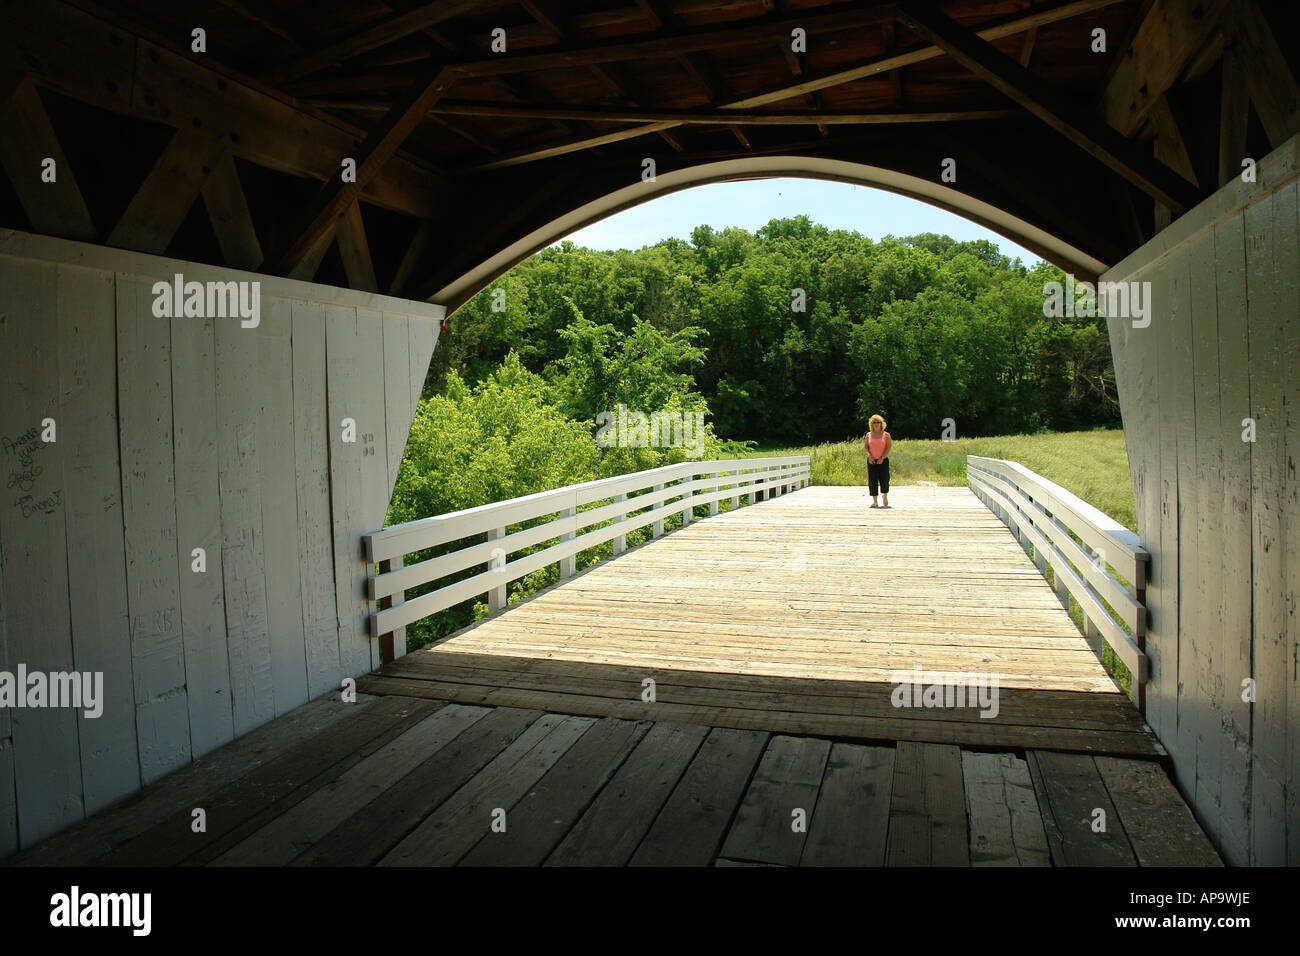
1027,47
672,44
1170,149
1172,32
1272,85
380,34
164,199
228,211
1007,26
610,114
82,56
1007,76
306,269
522,89
696,65
256,12
463,131
27,140
354,250
336,195
417,252
1234,116
890,36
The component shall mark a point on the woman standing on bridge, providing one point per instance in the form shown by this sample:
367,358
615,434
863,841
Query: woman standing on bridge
877,447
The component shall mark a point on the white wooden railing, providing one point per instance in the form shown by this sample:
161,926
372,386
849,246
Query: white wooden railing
1081,544
655,494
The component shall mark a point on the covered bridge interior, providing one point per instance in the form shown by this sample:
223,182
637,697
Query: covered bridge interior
374,165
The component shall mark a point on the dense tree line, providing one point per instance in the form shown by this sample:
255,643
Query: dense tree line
794,334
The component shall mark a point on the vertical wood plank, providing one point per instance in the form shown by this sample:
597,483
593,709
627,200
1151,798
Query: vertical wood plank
1288,205
1268,378
198,525
398,407
1236,535
311,426
149,514
1162,589
1190,636
422,339
347,504
369,357
241,402
278,491
8,803
92,477
45,754
1201,657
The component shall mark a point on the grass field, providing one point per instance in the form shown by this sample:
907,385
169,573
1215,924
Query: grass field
1092,464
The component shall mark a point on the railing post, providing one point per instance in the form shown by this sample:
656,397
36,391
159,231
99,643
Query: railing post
570,563
620,543
1063,586
687,508
393,644
1023,534
735,499
658,525
497,597
1141,571
713,505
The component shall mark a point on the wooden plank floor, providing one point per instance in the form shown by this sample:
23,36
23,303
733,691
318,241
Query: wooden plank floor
397,781
771,636
796,615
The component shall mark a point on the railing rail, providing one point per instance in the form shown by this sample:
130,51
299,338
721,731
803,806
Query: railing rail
672,489
1081,544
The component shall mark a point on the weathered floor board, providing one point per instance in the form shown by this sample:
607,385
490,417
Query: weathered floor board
771,738
413,782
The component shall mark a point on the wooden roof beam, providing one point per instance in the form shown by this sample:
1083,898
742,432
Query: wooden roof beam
228,211
677,42
118,67
1269,79
1170,35
895,76
380,34
1007,26
696,65
607,114
336,195
27,140
164,199
1007,76
354,250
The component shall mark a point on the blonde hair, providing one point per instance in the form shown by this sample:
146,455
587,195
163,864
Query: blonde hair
877,418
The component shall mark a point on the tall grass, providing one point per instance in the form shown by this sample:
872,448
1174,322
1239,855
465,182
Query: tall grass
1092,464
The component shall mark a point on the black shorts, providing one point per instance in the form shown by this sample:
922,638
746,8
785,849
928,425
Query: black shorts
878,477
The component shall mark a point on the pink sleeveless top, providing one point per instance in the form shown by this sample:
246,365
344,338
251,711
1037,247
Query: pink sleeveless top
876,445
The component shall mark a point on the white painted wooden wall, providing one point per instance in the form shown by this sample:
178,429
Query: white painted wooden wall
1220,515
174,434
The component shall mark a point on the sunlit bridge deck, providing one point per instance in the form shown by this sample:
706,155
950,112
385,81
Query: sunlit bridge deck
773,635
795,616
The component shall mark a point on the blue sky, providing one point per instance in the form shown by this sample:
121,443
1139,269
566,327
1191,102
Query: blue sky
751,205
